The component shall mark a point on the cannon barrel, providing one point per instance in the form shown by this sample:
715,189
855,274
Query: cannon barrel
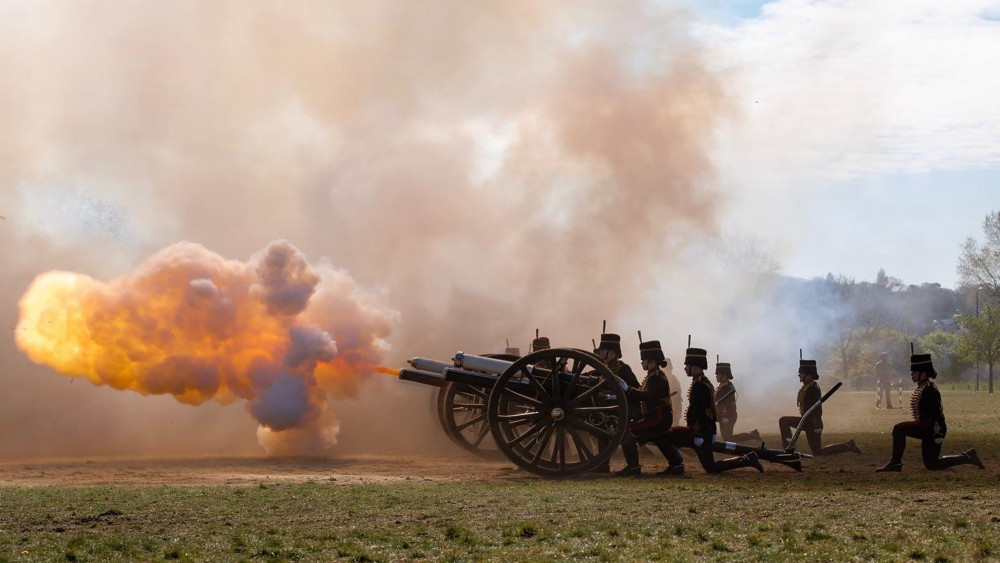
420,376
433,366
481,363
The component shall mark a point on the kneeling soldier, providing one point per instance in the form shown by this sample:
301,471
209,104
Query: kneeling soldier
699,434
725,406
810,394
655,413
610,352
928,423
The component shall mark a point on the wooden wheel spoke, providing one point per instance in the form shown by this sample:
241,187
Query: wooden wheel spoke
582,451
571,386
482,434
590,391
524,398
473,393
559,449
520,438
554,376
544,441
587,410
541,388
584,425
470,422
519,416
476,406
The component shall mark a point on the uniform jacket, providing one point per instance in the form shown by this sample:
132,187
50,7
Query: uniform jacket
926,406
653,399
808,396
701,415
726,407
624,372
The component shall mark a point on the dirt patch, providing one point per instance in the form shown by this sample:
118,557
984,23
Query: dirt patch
254,470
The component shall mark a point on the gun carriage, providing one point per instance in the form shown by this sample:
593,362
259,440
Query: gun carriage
556,412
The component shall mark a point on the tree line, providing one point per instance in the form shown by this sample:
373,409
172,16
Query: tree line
959,327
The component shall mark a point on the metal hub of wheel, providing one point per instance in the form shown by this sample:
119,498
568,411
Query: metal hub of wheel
555,412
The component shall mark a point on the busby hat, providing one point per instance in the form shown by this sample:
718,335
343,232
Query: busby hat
696,357
540,343
651,351
808,367
922,363
611,342
723,368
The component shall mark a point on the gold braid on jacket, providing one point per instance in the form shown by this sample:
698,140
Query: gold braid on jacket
915,401
801,396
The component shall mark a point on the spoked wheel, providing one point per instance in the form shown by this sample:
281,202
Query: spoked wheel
462,412
564,420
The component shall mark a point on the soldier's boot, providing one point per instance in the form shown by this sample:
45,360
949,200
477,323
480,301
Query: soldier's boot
746,460
796,465
673,470
629,471
751,460
973,458
892,466
853,447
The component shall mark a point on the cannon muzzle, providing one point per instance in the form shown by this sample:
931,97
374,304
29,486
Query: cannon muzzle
420,376
433,366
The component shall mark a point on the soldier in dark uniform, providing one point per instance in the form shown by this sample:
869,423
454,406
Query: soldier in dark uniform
810,394
610,352
540,343
725,406
699,434
883,387
928,423
655,413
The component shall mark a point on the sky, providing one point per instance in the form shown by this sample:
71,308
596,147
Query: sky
457,174
866,134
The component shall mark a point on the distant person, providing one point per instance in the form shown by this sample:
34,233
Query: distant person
883,381
699,434
655,416
676,403
610,352
810,394
928,423
540,343
725,406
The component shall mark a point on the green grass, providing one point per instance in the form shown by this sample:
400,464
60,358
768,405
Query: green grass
923,516
838,509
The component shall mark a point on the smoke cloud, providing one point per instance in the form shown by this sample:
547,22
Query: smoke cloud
486,168
190,324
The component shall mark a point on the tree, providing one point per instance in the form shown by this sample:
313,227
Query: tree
943,346
861,315
979,265
981,337
881,278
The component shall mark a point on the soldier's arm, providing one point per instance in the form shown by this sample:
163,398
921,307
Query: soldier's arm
813,396
628,376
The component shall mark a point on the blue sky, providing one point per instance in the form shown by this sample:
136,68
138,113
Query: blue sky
864,134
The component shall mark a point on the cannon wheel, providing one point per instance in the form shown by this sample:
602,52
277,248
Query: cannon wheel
462,412
558,426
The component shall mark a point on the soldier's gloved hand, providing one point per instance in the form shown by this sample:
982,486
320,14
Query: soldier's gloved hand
698,441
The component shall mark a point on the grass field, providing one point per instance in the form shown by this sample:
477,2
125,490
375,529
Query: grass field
838,509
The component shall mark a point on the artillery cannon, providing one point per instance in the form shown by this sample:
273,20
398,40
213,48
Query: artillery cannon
556,412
